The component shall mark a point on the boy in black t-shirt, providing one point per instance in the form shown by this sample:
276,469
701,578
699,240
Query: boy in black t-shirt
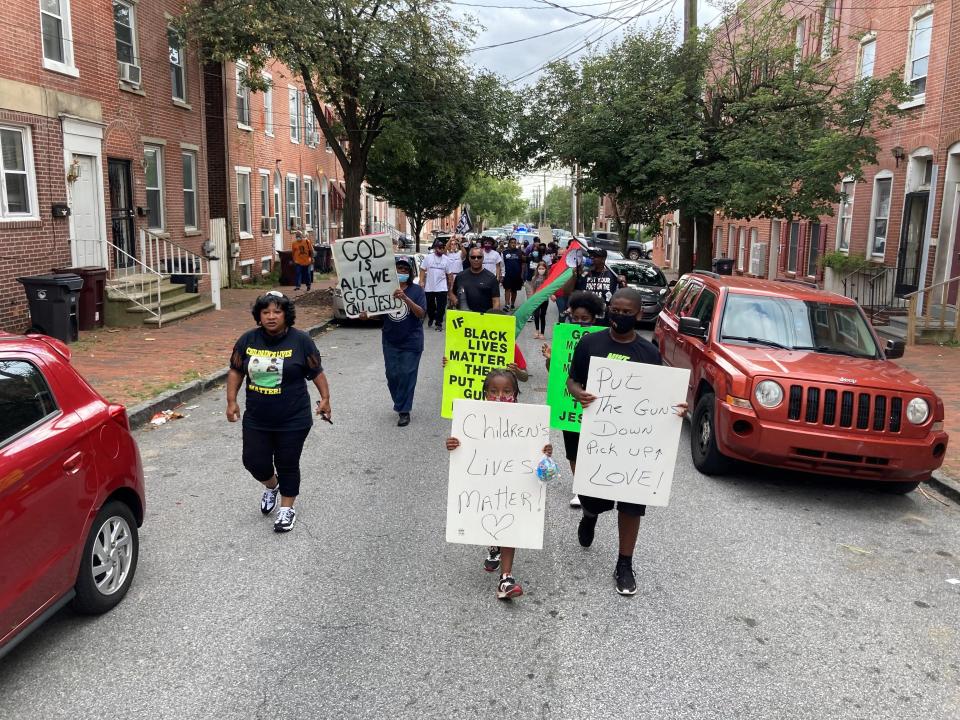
620,342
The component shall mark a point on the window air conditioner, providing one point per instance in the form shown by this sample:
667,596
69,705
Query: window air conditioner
129,73
266,225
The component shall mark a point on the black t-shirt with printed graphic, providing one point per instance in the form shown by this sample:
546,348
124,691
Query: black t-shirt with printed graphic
603,285
601,344
276,371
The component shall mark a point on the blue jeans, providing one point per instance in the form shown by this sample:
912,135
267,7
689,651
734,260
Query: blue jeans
562,301
304,274
402,367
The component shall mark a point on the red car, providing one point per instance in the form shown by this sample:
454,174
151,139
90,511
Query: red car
71,490
786,375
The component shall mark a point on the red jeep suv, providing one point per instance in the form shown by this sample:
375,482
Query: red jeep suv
786,375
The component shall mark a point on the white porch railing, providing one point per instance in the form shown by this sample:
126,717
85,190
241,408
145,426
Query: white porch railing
142,287
163,256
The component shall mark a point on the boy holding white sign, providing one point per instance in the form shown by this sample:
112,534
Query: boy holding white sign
619,342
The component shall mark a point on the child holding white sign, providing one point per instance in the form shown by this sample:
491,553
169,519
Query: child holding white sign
619,342
501,385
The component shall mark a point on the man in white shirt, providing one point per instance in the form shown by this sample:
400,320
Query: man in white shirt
492,260
436,280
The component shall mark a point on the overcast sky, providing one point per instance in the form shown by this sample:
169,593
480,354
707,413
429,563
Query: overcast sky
520,20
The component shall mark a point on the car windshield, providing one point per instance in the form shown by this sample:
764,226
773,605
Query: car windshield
640,274
797,325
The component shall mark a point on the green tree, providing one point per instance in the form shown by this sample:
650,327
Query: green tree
368,60
494,200
558,206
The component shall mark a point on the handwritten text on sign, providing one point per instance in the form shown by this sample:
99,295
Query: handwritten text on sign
475,343
494,496
630,433
565,412
367,274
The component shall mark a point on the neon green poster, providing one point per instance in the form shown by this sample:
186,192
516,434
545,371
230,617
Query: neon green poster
475,343
565,412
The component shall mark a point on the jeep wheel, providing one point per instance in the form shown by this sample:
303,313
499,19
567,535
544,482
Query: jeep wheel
703,439
633,254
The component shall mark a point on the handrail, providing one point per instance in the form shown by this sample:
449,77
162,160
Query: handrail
925,312
166,257
931,287
144,290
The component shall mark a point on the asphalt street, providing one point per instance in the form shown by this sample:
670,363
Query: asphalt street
762,595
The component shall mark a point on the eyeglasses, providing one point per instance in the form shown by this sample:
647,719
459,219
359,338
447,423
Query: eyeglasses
476,257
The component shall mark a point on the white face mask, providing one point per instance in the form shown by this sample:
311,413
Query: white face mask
541,271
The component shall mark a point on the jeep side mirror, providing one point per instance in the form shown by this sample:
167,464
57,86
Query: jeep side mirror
693,327
894,349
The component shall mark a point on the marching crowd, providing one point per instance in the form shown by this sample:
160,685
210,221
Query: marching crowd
275,362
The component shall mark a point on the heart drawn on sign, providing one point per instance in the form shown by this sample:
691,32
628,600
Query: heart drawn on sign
494,525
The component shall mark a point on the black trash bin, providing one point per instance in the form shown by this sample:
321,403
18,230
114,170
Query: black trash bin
723,266
53,304
185,271
288,268
322,258
90,302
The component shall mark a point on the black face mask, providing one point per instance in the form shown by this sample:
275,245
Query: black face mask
622,323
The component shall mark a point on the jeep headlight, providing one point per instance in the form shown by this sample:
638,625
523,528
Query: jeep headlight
769,394
918,410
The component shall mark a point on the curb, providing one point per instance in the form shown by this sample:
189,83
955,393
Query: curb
945,486
140,414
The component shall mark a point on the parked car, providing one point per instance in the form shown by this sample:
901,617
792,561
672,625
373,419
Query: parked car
339,308
71,490
786,375
645,277
611,241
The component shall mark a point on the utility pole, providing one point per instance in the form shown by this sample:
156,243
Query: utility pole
579,228
573,201
686,240
543,213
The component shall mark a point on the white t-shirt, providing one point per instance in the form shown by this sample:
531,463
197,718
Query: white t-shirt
491,260
436,267
455,262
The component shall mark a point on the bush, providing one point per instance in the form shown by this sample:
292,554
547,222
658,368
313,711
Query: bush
844,263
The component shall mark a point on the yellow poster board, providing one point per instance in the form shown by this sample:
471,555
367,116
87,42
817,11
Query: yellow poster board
475,343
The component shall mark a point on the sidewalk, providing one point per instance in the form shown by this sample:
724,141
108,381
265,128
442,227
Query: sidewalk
130,365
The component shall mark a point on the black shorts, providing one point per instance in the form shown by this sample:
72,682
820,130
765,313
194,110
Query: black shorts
512,282
595,506
571,440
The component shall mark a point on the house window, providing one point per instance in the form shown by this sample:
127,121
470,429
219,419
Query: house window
124,24
846,216
308,203
881,214
246,269
56,34
293,201
826,33
731,239
264,195
153,178
243,203
794,247
294,108
190,190
18,191
741,248
718,243
268,106
799,38
309,123
243,99
868,55
813,249
756,253
919,53
178,76
265,265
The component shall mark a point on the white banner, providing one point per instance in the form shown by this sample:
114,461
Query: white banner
367,274
494,496
630,433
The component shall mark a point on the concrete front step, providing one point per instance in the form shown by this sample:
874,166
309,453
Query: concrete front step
169,302
146,293
195,309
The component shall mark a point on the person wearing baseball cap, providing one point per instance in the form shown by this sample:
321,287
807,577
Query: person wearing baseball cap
436,279
595,277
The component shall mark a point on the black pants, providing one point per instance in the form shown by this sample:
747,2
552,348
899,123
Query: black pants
540,317
267,453
436,307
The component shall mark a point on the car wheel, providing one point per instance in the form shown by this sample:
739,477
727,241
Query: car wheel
633,254
109,560
703,438
898,488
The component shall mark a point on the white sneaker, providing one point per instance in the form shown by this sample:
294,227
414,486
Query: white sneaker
269,500
286,518
575,501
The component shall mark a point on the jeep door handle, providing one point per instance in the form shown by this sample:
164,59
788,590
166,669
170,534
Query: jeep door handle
72,465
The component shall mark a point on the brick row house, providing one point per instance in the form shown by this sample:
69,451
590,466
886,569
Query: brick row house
107,111
902,217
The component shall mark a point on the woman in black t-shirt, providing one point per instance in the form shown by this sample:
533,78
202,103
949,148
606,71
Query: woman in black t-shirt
276,360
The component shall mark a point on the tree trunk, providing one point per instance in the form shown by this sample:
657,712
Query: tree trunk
353,174
704,253
418,223
685,239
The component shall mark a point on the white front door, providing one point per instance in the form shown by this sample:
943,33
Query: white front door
86,226
277,214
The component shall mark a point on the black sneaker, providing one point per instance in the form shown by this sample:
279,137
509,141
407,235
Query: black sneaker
493,559
286,519
508,588
586,528
269,500
403,420
626,582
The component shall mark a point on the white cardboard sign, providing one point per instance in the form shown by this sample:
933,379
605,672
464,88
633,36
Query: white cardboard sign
494,496
630,433
366,274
